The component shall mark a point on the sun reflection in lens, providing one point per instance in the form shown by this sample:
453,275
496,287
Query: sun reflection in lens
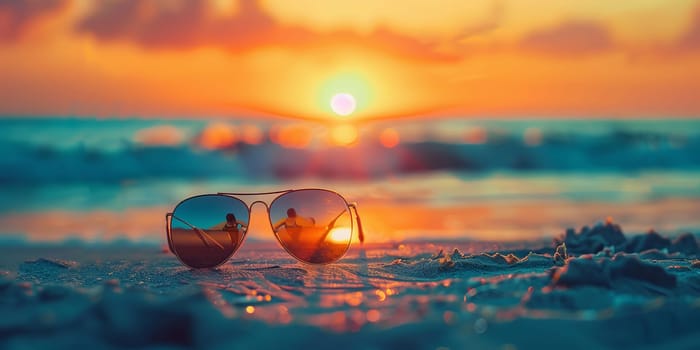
340,234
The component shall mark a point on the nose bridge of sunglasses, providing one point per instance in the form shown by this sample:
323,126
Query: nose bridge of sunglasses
252,198
259,227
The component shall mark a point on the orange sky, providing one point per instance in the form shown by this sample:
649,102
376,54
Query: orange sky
518,58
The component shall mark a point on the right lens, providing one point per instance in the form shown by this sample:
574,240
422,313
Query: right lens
313,225
206,230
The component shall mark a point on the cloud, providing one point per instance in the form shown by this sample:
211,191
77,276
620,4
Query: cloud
490,22
184,26
570,38
191,24
690,40
17,16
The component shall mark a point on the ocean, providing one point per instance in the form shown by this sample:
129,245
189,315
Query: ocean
418,179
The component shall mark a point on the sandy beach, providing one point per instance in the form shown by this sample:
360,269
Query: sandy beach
607,290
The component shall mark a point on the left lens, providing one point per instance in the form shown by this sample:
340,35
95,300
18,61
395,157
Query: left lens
314,226
206,230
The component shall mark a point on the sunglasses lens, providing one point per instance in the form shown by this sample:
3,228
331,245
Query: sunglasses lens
313,225
207,230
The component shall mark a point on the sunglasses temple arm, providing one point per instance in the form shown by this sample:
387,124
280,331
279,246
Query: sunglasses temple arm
168,217
202,234
360,232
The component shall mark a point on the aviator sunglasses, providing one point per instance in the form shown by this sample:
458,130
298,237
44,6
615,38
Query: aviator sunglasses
313,225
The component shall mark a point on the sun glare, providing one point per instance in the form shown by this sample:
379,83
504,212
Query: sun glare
344,94
343,104
340,234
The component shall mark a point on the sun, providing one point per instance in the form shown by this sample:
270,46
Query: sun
347,93
343,104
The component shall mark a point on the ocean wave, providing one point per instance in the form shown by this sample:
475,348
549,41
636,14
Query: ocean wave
31,162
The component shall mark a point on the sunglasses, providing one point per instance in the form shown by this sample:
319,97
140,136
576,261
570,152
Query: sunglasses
313,225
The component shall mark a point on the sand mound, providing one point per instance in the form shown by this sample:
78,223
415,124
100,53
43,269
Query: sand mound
610,235
606,272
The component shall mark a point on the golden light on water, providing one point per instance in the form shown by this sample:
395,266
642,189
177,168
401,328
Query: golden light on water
373,316
251,134
291,136
218,135
343,135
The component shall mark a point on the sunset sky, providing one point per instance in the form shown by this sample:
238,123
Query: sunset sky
476,58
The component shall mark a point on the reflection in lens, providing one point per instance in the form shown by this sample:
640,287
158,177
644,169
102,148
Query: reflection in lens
207,230
313,225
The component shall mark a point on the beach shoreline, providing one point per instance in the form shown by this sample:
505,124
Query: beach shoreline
415,294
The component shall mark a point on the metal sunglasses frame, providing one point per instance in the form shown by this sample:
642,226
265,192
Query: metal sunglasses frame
204,236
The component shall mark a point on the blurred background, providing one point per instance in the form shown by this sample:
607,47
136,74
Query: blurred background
416,179
490,119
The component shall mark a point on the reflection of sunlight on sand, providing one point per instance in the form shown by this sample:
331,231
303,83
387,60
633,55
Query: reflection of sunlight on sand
374,301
